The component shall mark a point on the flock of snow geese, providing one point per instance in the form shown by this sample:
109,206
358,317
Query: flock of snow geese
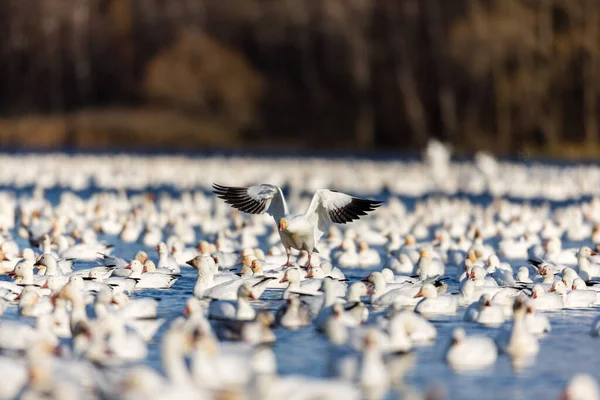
368,275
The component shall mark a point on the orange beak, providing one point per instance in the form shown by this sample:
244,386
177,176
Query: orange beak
471,275
143,269
310,274
186,311
365,279
252,295
4,258
280,227
594,253
420,294
44,285
128,266
284,279
533,295
552,289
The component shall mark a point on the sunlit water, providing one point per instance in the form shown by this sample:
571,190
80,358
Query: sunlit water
568,349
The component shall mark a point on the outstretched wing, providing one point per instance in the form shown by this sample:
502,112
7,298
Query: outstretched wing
254,199
329,206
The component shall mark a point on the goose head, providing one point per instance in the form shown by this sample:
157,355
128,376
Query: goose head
523,274
579,284
316,273
162,249
141,256
388,275
586,252
375,280
358,290
458,336
558,287
427,291
493,262
477,273
327,267
136,268
27,254
485,300
291,275
201,264
149,266
245,293
193,306
256,267
283,224
519,308
537,292
581,387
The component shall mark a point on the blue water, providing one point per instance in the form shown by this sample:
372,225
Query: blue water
567,350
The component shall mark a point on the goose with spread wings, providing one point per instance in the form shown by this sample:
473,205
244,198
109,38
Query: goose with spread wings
298,231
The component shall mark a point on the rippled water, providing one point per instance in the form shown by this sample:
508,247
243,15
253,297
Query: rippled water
567,350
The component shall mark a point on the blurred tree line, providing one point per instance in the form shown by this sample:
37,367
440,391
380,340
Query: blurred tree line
501,75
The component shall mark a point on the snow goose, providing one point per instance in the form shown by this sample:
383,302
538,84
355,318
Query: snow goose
255,332
574,298
149,279
538,324
401,264
331,271
546,301
376,281
502,273
241,309
518,342
14,374
142,308
317,274
295,285
587,270
32,304
367,257
419,330
428,268
470,353
206,273
293,315
523,275
368,369
581,387
298,231
432,304
484,312
165,259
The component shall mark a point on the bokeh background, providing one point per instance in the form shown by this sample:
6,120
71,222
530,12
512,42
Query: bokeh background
507,76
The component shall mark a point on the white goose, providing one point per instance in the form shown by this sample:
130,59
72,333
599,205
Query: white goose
432,304
149,279
298,231
519,342
470,353
239,310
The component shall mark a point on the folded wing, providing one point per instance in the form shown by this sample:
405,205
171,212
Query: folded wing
254,199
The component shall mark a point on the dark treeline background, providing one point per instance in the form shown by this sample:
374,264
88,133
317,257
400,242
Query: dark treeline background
500,75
